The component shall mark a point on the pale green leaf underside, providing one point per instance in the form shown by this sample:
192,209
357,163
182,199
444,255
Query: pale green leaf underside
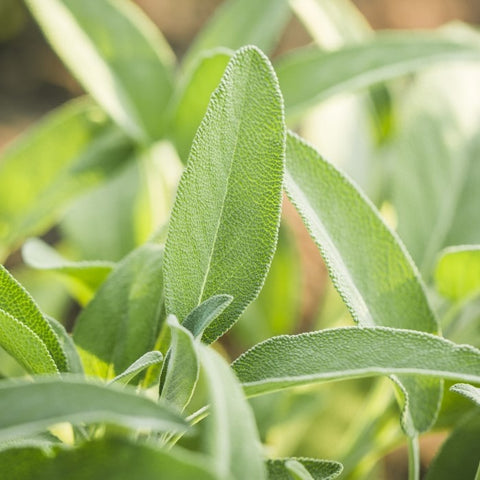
351,352
72,149
457,274
17,302
118,56
122,321
25,346
28,408
39,255
107,459
310,75
182,366
230,433
224,223
147,360
310,468
468,391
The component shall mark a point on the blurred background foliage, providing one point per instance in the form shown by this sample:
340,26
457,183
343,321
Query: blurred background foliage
412,144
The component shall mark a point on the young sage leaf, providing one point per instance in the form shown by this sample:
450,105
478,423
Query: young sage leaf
468,391
225,220
284,468
147,360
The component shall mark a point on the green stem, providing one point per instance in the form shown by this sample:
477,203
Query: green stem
413,458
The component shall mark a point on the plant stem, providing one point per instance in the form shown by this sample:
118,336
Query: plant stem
413,458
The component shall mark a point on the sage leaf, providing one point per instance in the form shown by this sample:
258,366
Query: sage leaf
181,367
18,303
111,47
203,315
147,360
87,148
229,434
468,391
322,74
368,264
351,352
30,407
122,321
25,345
457,274
225,219
284,468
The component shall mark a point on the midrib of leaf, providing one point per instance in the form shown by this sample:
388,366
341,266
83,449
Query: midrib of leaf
227,187
361,315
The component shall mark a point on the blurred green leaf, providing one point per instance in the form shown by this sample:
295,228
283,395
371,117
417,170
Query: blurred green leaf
118,56
182,366
106,459
468,391
122,321
242,22
225,220
349,352
457,274
28,408
193,96
147,360
284,468
229,434
17,302
310,75
71,150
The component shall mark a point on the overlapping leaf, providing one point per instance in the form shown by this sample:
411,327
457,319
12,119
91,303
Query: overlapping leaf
302,469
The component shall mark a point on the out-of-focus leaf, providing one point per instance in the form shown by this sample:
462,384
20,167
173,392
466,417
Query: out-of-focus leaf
193,97
17,302
368,264
310,75
349,352
457,274
284,468
106,459
149,359
122,321
459,456
242,22
118,56
30,408
91,274
182,367
71,150
230,435
468,391
225,220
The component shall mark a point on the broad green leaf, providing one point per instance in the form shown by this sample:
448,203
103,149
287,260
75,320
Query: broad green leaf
368,264
106,459
28,408
71,352
118,56
468,391
149,359
242,22
90,274
350,352
459,456
310,75
203,315
122,321
225,220
17,302
457,274
71,150
284,468
182,367
193,97
25,345
230,435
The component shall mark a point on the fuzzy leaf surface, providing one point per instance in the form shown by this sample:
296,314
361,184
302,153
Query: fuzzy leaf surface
112,48
149,359
224,225
468,391
281,469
